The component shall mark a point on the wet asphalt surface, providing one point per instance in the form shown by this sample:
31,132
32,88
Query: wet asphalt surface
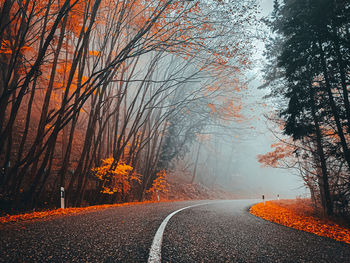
222,231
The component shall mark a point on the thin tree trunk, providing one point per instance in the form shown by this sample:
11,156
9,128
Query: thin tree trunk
196,163
323,181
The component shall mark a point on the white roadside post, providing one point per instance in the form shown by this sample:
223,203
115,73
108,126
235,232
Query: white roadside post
62,197
278,197
157,195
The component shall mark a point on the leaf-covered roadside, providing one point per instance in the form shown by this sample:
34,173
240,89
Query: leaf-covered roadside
300,215
60,211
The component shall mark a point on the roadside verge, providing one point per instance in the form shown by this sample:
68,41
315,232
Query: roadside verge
299,214
66,211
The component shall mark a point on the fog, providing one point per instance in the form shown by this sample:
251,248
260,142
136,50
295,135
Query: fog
229,158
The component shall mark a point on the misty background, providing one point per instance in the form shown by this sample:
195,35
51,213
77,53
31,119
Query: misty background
229,158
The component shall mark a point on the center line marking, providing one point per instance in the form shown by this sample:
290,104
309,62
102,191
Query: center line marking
155,251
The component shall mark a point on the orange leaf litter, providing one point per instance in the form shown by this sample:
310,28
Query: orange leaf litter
299,214
66,211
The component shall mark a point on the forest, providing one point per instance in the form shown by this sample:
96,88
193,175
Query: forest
106,98
102,97
308,75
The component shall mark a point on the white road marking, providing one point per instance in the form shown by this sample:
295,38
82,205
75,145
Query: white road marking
155,251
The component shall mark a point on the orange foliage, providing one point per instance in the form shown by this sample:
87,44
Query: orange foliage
231,109
212,107
331,134
299,214
117,178
159,184
280,153
94,53
60,211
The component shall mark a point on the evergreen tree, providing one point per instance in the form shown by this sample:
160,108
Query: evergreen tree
311,52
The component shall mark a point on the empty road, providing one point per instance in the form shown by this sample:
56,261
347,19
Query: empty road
221,231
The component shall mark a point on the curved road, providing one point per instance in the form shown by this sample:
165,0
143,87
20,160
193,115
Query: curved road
222,231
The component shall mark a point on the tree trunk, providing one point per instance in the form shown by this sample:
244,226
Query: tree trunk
323,181
196,163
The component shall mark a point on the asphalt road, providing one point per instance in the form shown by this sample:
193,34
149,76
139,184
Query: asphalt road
222,231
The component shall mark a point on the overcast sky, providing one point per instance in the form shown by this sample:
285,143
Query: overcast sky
266,6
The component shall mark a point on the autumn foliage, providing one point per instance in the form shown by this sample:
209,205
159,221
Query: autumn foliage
301,215
160,184
90,91
116,178
60,211
276,158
